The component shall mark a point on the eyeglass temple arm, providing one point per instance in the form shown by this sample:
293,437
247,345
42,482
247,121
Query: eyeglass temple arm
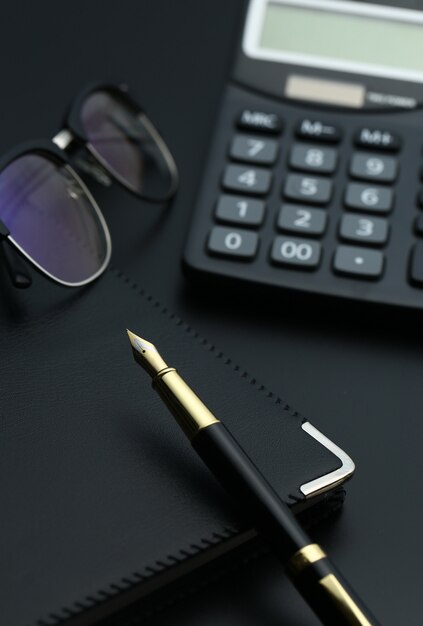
14,265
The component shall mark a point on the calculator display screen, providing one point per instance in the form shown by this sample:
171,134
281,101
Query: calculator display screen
337,34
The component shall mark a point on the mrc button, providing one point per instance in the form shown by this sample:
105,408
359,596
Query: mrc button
260,121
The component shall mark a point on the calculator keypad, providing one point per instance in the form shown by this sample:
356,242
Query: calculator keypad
340,196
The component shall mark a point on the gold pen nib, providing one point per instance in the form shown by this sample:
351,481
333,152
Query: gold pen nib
146,354
190,412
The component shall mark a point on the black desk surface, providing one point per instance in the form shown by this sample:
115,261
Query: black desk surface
359,383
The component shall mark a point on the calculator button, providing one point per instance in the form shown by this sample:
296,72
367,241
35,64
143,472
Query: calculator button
239,210
254,149
374,167
302,219
248,179
416,264
365,198
358,262
318,131
373,230
418,225
239,244
306,189
260,121
296,252
377,139
313,159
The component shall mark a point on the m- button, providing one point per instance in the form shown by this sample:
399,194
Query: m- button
315,130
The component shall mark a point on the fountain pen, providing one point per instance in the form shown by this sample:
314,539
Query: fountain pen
306,564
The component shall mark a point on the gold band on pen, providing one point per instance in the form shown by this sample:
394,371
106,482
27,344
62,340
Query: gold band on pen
305,557
313,553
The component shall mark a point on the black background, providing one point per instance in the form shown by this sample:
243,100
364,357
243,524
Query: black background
357,380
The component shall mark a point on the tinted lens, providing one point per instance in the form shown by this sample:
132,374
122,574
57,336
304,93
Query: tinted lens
52,220
128,145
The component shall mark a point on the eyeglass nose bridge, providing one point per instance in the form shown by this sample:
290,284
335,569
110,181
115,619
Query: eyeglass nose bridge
66,141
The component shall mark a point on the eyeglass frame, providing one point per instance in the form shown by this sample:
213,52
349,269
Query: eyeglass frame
56,149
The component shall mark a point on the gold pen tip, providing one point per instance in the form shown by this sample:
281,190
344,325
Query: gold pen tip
139,344
146,354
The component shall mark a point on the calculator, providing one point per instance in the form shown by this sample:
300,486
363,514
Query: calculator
314,177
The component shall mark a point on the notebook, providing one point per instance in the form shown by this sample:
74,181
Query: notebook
102,498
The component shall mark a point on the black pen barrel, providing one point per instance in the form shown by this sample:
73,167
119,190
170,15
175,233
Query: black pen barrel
242,480
306,563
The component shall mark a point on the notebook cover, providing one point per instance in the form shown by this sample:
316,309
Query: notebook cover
100,491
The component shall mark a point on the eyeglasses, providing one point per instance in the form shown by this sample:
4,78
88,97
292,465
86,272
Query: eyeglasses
47,213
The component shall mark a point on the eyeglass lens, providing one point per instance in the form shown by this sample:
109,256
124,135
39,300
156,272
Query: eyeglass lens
127,144
52,219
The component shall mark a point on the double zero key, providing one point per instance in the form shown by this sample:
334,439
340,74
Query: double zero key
293,252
